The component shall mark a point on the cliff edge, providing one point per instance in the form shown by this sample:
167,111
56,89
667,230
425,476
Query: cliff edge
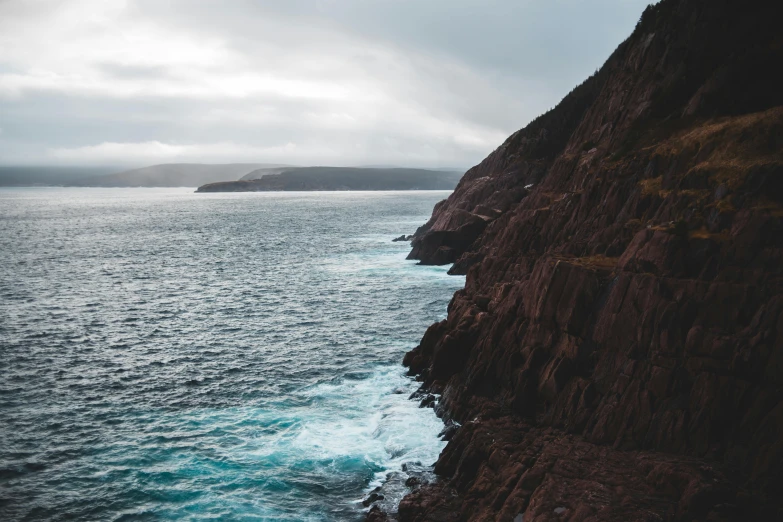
617,351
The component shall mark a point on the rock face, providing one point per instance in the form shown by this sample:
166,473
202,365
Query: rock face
617,351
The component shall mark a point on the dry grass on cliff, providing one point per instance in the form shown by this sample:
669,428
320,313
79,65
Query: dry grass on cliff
597,262
652,186
703,233
729,147
770,207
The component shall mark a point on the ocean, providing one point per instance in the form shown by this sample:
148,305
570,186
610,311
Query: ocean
168,355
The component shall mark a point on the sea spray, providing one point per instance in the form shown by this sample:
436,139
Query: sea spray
170,355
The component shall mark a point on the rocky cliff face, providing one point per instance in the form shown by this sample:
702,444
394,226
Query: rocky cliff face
617,352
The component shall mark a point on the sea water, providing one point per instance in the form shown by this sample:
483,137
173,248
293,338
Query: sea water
166,355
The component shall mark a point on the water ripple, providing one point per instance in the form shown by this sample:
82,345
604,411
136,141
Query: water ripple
169,355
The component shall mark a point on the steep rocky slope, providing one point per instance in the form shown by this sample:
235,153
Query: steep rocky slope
617,352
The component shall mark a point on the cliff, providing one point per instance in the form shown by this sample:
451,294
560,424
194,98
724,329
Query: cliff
617,351
338,178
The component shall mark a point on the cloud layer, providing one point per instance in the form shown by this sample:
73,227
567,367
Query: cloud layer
414,82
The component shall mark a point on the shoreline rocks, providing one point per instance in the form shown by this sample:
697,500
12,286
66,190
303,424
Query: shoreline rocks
384,499
617,351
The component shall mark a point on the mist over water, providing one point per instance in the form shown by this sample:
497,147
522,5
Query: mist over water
170,355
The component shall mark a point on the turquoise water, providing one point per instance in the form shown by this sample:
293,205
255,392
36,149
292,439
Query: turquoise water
170,355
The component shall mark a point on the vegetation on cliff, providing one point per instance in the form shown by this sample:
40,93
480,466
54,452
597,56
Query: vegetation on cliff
617,352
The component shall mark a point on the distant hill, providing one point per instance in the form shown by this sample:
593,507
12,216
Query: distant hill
30,176
338,178
172,175
266,171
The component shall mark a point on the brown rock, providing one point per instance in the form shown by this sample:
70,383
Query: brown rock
617,352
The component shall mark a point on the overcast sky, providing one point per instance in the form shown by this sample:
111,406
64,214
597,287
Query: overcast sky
341,82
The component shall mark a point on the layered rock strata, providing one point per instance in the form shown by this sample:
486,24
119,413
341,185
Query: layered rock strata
617,351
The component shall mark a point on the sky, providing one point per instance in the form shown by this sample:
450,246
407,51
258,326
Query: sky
425,83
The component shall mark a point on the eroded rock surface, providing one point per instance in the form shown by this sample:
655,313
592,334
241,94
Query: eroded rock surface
617,352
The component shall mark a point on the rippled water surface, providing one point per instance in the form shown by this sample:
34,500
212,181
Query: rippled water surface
170,355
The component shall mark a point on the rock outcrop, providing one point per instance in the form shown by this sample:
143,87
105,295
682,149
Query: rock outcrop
617,351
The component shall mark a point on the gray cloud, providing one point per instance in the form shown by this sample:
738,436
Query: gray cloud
426,83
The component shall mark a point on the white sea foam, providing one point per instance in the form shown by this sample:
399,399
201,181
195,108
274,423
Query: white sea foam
367,419
187,356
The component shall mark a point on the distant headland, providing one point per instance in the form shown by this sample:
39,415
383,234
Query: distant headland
338,178
236,177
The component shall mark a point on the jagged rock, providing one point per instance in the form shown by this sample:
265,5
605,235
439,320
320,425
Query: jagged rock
428,401
376,514
441,247
413,482
617,351
448,431
371,498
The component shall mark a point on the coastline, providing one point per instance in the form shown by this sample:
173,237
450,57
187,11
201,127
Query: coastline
615,353
223,346
383,495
